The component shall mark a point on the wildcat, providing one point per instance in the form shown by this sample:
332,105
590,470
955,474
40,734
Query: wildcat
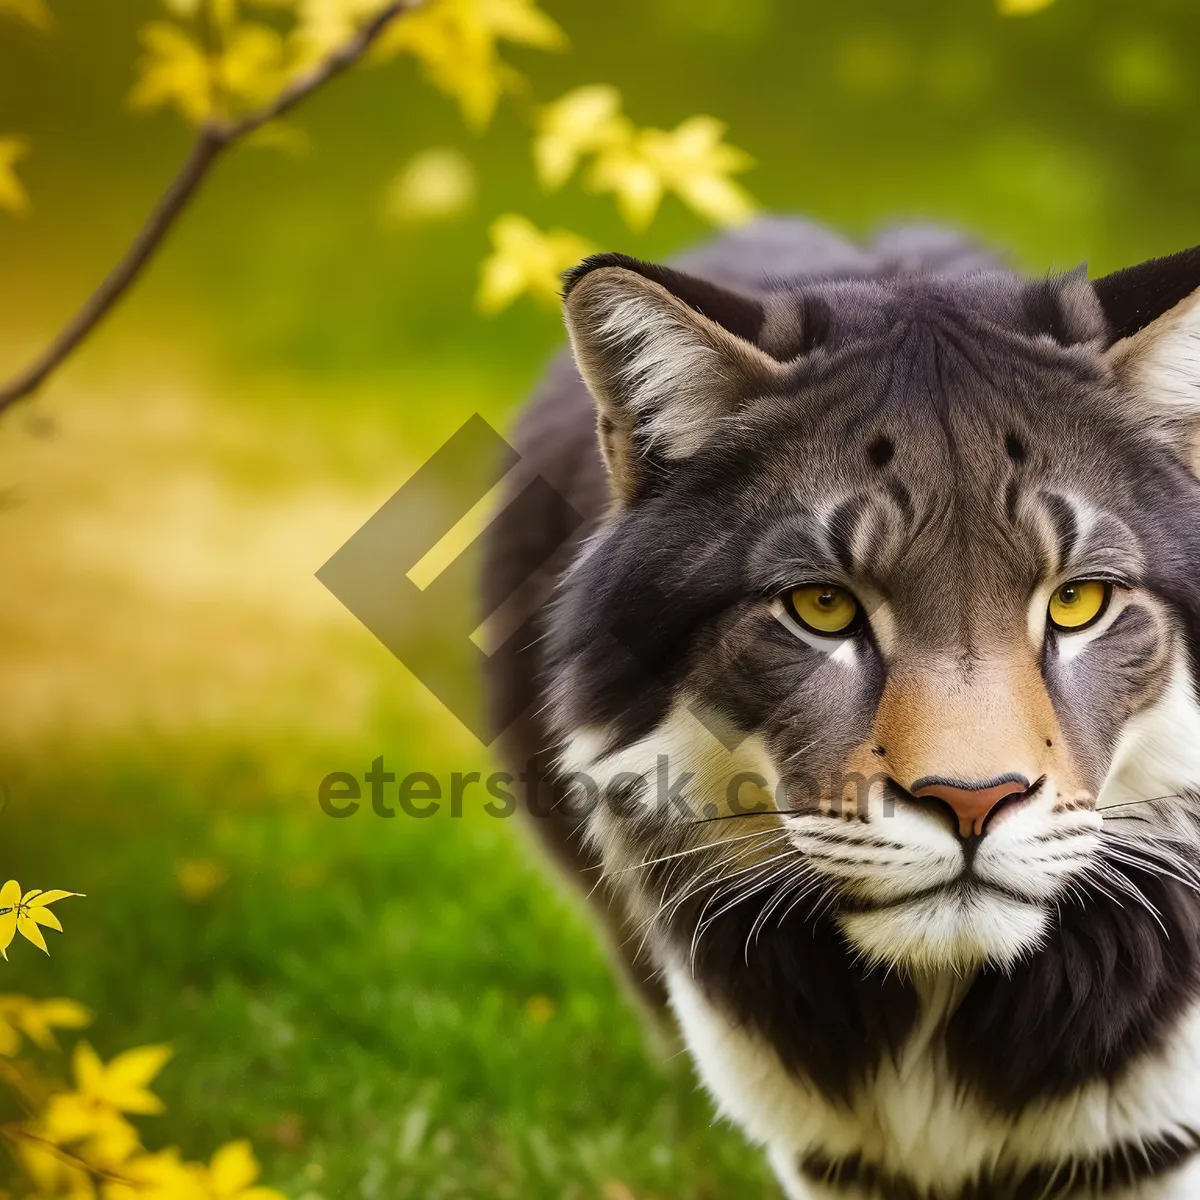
866,677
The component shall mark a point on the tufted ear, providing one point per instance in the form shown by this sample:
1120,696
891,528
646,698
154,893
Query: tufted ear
666,356
1153,314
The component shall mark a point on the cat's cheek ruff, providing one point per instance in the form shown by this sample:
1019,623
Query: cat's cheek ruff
1156,754
878,867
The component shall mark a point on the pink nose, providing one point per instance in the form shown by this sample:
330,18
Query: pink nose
972,803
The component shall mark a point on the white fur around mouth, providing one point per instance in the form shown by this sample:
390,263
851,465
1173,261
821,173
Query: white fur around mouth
953,928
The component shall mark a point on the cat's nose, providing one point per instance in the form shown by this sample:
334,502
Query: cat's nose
971,802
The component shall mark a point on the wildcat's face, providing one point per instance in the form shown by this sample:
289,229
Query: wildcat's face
919,577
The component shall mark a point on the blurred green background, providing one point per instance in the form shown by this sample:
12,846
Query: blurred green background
414,1008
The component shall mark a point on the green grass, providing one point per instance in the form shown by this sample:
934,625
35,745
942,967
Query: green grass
356,998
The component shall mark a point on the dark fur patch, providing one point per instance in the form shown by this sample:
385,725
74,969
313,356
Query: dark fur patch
1134,297
1043,307
880,452
810,327
1066,527
1119,1169
1108,986
741,315
795,984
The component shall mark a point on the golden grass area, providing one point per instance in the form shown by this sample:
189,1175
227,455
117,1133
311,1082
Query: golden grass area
158,543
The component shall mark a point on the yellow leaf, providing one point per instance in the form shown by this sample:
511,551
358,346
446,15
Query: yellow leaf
15,199
10,1039
692,160
456,43
160,1176
121,1084
1021,8
435,185
695,161
233,1168
51,1175
10,901
224,12
172,70
231,1174
126,1075
280,135
581,122
199,878
458,56
33,11
524,259
71,1117
37,1018
540,1009
323,25
251,69
636,181
24,913
519,21
38,899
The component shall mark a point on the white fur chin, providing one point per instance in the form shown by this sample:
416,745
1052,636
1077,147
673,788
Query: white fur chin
955,931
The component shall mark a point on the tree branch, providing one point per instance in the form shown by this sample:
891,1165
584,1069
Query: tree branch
211,141
18,1133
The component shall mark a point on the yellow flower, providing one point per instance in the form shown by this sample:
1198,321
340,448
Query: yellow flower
172,70
199,878
436,184
231,1175
12,194
102,1093
160,1176
121,1084
524,259
33,11
626,170
323,25
175,69
252,67
51,1175
36,1019
456,42
540,1009
224,12
693,161
581,122
1021,8
24,913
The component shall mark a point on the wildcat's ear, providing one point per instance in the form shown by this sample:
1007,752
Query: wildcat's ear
1153,314
666,356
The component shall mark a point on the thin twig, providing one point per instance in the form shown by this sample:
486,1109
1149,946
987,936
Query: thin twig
18,1133
213,138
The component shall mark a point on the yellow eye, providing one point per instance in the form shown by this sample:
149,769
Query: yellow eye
1078,604
823,608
